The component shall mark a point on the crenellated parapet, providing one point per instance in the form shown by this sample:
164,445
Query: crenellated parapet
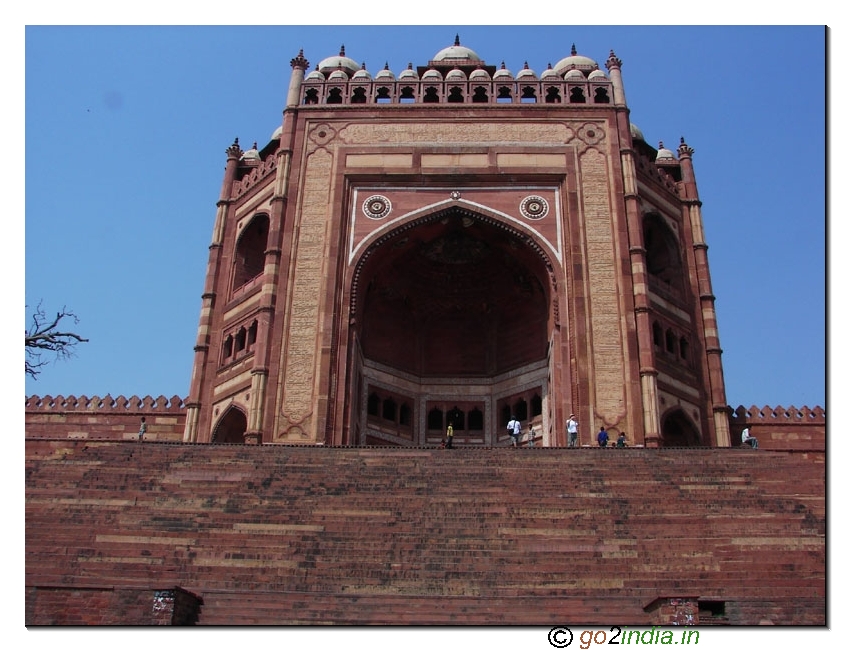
120,404
104,418
779,427
774,415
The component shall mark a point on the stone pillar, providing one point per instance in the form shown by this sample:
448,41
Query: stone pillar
202,342
271,271
711,339
637,257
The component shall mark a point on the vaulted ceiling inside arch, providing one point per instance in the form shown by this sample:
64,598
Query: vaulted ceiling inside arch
455,297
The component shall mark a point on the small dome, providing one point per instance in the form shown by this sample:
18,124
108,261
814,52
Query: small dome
526,73
277,133
503,73
385,74
456,75
664,154
338,75
315,75
637,134
479,74
456,51
598,74
432,74
339,62
362,74
576,62
549,73
576,75
251,155
409,73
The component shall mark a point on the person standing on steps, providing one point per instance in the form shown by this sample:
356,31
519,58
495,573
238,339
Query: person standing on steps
143,429
514,430
602,437
450,436
572,430
621,439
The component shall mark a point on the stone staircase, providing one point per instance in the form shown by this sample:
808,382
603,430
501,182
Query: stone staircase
535,536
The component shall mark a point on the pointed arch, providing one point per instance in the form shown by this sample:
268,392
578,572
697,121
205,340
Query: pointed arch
231,427
250,257
678,430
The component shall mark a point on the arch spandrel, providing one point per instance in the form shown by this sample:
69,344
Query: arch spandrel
377,212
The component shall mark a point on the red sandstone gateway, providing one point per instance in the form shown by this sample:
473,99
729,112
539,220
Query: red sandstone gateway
452,244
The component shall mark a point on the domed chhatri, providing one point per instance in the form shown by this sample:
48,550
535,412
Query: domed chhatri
456,52
339,62
576,62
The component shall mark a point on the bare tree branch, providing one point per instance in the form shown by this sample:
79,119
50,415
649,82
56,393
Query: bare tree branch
44,337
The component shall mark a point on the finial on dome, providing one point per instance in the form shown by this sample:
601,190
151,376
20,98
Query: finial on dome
386,65
457,40
573,50
410,66
549,66
342,50
660,144
525,66
363,66
503,65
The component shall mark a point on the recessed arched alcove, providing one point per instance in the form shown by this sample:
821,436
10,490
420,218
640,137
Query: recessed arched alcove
451,314
231,428
678,430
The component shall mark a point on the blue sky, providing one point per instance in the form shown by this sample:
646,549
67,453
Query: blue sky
126,129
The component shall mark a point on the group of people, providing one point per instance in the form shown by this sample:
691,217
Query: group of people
602,438
514,430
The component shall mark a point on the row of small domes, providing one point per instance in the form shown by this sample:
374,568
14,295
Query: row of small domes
343,68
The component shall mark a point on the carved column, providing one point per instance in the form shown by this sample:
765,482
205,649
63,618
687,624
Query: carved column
711,339
202,343
637,257
271,271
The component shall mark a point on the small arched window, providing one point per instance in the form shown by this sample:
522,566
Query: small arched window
657,335
404,414
476,420
251,250
389,410
479,95
435,419
577,96
455,96
373,404
671,342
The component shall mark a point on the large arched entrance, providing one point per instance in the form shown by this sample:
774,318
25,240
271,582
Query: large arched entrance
451,324
677,430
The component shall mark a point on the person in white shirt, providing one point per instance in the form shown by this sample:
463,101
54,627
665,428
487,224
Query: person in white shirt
747,439
572,430
515,428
